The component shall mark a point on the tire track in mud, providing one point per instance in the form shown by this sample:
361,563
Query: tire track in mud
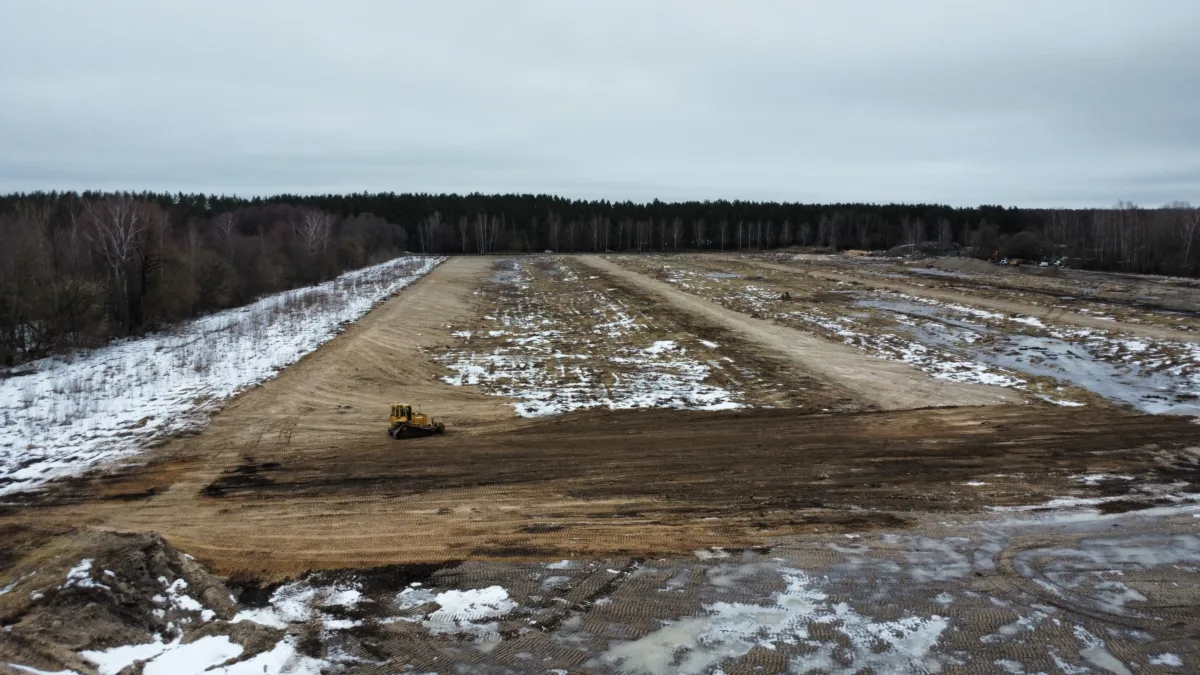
560,336
340,494
886,384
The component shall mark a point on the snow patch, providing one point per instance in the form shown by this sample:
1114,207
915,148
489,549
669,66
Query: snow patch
300,602
731,629
109,403
469,611
34,671
80,576
1167,659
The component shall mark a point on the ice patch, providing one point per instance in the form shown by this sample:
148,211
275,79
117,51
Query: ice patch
1167,659
1095,653
730,630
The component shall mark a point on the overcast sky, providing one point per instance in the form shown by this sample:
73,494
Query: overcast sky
1040,103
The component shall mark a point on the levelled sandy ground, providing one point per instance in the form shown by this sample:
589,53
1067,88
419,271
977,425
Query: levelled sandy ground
298,475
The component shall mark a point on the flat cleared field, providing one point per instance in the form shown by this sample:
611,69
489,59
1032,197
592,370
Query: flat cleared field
635,440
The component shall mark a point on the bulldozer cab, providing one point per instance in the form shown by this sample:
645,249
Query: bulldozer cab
401,412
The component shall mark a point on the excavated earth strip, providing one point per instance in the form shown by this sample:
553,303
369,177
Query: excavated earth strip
887,384
1054,314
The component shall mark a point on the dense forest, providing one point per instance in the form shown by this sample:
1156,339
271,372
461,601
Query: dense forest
77,270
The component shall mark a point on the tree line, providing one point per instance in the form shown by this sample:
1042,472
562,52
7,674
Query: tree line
79,269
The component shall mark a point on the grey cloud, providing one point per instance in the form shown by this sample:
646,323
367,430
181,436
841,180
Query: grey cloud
1030,103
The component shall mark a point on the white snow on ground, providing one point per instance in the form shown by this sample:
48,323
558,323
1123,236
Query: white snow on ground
294,603
181,601
731,629
282,660
938,363
80,576
1159,367
194,657
471,611
1167,659
1096,653
1097,478
111,661
34,671
551,368
301,601
203,656
60,416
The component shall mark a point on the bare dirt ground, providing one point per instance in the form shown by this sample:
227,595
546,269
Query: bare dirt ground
886,385
1046,294
957,340
907,529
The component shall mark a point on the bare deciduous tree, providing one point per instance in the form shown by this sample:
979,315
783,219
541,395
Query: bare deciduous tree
428,229
554,225
224,224
945,234
594,225
313,229
463,228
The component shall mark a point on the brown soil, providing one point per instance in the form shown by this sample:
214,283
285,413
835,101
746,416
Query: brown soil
1054,314
886,384
298,474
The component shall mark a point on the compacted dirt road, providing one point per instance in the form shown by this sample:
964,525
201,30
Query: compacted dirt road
886,384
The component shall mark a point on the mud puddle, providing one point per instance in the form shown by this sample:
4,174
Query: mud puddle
1084,364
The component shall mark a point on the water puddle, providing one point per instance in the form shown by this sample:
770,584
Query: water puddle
507,272
1151,391
935,272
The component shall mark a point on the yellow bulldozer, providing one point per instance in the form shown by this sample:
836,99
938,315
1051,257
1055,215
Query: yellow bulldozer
405,423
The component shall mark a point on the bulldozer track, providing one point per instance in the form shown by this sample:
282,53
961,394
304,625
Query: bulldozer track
297,474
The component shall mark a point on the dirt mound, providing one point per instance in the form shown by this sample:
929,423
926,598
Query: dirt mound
100,590
966,265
